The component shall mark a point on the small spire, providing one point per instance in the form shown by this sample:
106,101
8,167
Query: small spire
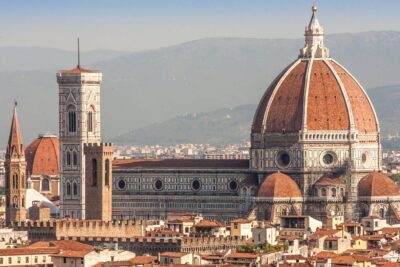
314,39
79,56
15,138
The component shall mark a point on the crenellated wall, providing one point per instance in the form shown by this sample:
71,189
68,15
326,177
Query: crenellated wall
78,229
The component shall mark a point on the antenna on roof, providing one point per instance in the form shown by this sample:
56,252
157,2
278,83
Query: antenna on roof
79,55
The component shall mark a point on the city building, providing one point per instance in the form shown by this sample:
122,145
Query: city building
315,151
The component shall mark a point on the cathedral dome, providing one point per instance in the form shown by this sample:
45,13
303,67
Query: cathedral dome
377,184
314,93
279,185
42,156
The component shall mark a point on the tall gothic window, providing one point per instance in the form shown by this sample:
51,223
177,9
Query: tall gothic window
68,189
75,189
15,202
45,184
68,158
15,181
94,172
75,158
90,121
107,182
71,120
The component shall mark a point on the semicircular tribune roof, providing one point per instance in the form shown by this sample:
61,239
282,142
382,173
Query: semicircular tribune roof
279,185
377,184
43,156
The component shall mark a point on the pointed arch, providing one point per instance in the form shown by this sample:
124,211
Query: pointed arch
15,202
75,189
75,158
15,181
107,172
71,119
68,158
91,119
68,189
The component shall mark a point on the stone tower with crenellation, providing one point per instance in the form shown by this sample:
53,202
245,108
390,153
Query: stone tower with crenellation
99,181
15,166
79,124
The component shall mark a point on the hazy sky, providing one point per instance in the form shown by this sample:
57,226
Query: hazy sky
136,25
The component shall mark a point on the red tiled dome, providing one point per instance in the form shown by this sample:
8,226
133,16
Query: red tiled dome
279,185
377,184
318,94
314,93
42,156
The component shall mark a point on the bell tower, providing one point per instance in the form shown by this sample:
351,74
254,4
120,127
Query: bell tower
79,124
99,181
15,166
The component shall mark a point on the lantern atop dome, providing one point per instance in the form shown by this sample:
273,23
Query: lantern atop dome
314,39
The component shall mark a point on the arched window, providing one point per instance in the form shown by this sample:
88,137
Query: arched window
75,187
15,202
23,202
68,158
323,192
94,172
90,121
15,181
333,192
71,119
45,184
68,189
107,182
75,158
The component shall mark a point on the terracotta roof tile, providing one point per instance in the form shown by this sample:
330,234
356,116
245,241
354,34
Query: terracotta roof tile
78,70
364,117
207,223
28,251
72,253
326,107
377,184
282,104
143,259
287,105
242,255
330,180
279,185
171,254
43,156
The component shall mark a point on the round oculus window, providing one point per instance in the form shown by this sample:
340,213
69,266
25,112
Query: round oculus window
158,185
196,185
283,159
121,184
328,158
364,158
233,185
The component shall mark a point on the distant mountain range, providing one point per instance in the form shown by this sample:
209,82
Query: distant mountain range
232,125
148,87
